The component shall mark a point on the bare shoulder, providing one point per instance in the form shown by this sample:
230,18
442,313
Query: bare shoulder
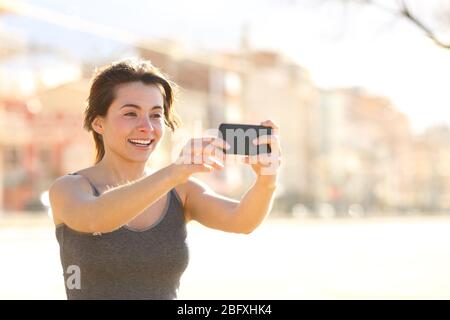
70,181
65,191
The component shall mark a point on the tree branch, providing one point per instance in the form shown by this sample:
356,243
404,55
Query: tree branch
405,12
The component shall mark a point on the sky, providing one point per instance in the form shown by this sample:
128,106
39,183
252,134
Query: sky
341,45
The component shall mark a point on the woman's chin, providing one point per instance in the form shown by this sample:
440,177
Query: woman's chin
142,156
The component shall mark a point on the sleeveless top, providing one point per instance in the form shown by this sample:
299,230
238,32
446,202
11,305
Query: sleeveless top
126,263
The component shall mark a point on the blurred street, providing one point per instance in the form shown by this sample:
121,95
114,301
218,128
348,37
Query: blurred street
372,258
360,99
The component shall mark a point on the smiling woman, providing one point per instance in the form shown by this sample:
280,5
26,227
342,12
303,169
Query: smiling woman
120,80
121,228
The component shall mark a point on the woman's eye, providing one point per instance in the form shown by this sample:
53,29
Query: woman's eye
157,115
130,113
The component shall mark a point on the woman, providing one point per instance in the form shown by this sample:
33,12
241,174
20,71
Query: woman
122,228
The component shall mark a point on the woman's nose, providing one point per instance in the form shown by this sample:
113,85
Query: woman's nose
146,125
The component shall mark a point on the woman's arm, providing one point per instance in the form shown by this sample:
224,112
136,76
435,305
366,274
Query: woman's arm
80,210
83,212
218,212
255,205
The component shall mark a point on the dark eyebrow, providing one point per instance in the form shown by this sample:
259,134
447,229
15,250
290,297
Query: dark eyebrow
138,107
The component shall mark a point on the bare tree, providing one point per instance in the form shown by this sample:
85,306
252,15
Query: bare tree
403,10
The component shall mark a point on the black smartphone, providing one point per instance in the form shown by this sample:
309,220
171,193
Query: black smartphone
240,137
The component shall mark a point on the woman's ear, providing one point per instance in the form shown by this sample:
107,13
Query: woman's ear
97,125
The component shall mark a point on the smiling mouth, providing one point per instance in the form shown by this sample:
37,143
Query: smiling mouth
143,143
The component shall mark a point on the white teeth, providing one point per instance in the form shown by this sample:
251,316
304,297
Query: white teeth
140,141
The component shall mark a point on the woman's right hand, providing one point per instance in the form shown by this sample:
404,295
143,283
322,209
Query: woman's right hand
203,154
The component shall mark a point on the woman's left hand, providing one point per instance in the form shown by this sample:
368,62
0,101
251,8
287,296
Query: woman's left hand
267,164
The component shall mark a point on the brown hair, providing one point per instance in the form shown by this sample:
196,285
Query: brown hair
103,93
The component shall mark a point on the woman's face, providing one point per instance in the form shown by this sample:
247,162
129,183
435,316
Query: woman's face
134,123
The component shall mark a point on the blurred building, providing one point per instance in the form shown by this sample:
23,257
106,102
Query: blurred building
39,122
276,88
41,138
362,138
430,172
60,126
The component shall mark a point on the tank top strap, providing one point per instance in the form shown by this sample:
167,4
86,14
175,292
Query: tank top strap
94,189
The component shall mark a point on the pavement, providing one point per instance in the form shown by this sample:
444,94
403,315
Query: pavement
348,258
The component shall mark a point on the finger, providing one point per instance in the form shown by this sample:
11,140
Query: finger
250,159
216,148
199,158
270,123
205,139
211,151
219,154
192,155
215,141
200,142
205,167
220,143
198,147
186,155
206,146
215,163
271,140
197,150
263,140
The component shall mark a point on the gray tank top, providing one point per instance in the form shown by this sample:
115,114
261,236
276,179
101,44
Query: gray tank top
126,263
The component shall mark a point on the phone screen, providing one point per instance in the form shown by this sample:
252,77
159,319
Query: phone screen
240,137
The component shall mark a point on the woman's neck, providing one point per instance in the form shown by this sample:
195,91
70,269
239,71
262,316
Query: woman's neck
120,173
